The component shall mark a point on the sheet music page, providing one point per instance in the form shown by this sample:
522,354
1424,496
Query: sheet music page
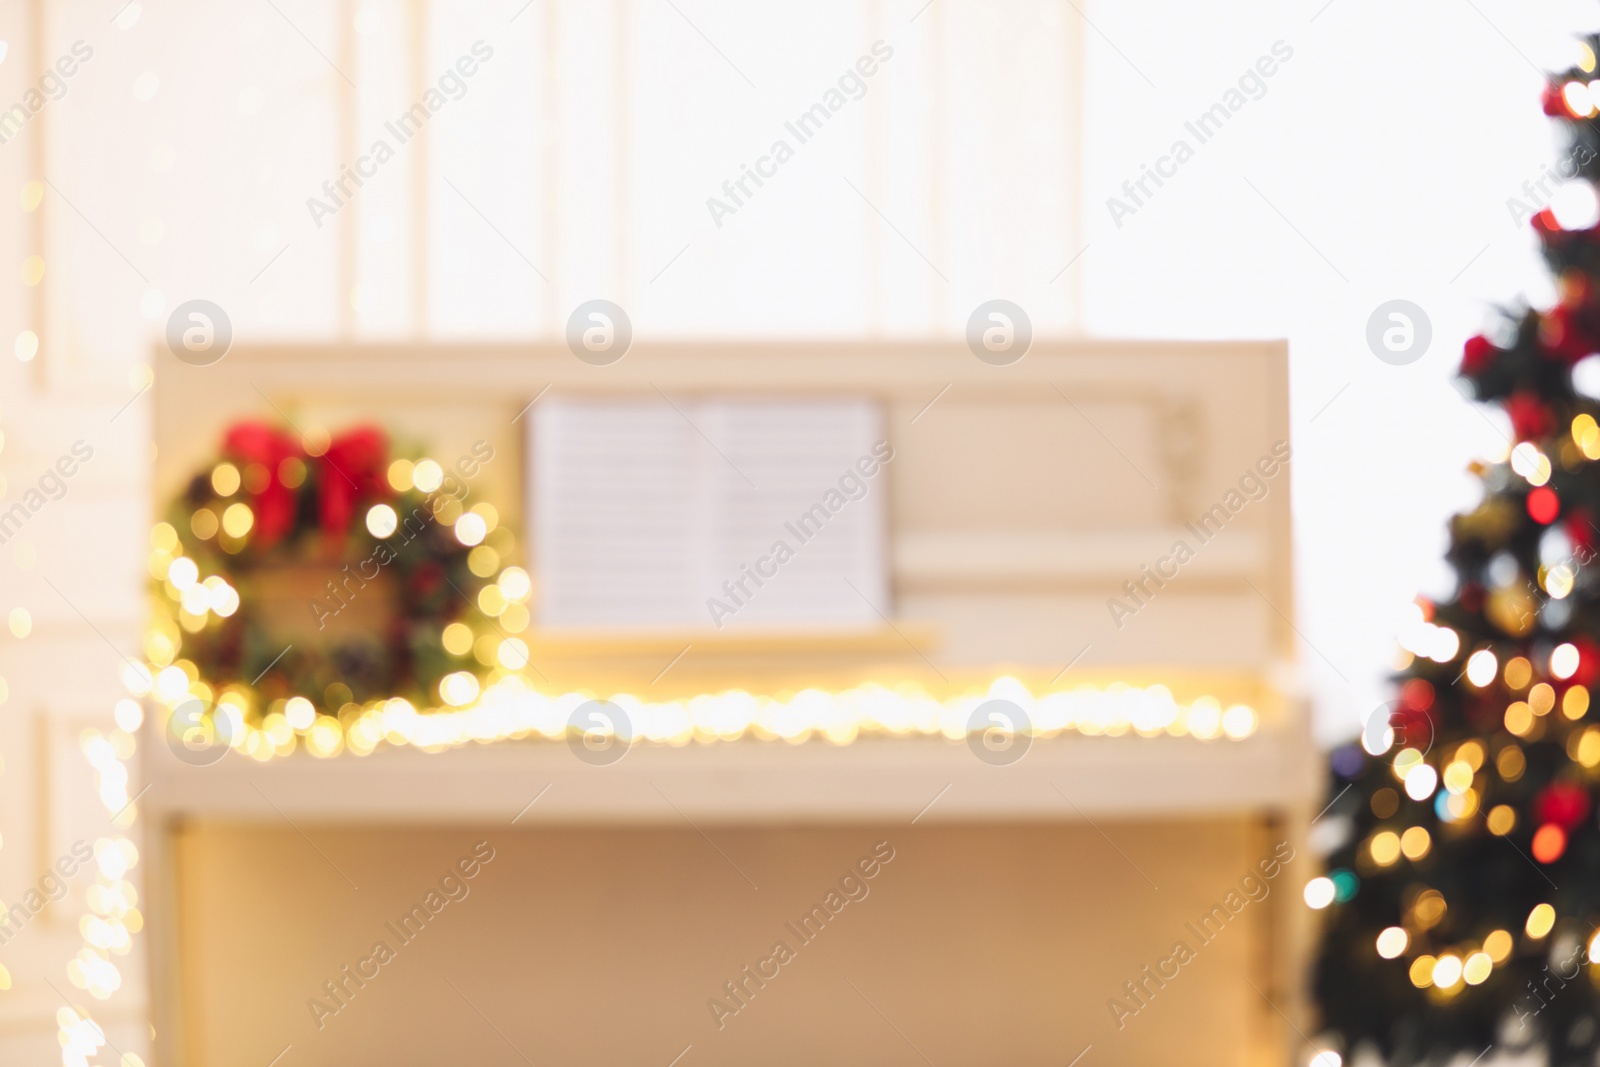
806,545
616,515
723,513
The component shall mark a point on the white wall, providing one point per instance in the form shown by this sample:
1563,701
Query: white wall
1391,142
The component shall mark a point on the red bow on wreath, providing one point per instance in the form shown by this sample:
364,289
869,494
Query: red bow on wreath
353,470
252,443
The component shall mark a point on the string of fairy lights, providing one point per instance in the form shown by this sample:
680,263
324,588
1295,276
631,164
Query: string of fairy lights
509,708
498,703
113,918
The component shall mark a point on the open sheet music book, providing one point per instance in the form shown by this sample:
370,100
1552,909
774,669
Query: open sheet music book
721,513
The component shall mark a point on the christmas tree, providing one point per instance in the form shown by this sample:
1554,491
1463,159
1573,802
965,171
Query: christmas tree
1462,894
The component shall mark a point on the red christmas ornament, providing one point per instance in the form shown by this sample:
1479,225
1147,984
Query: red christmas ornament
1530,419
1417,695
1477,354
1549,842
1563,804
1544,505
1553,102
1588,662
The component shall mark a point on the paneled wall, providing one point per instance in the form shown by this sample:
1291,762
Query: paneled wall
440,168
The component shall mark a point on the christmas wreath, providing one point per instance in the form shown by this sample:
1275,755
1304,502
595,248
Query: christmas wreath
298,576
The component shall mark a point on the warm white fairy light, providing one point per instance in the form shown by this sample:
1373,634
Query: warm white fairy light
1564,661
382,520
1575,94
1530,463
427,475
1483,668
1421,781
1422,638
471,529
515,584
80,1038
1575,206
1392,942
